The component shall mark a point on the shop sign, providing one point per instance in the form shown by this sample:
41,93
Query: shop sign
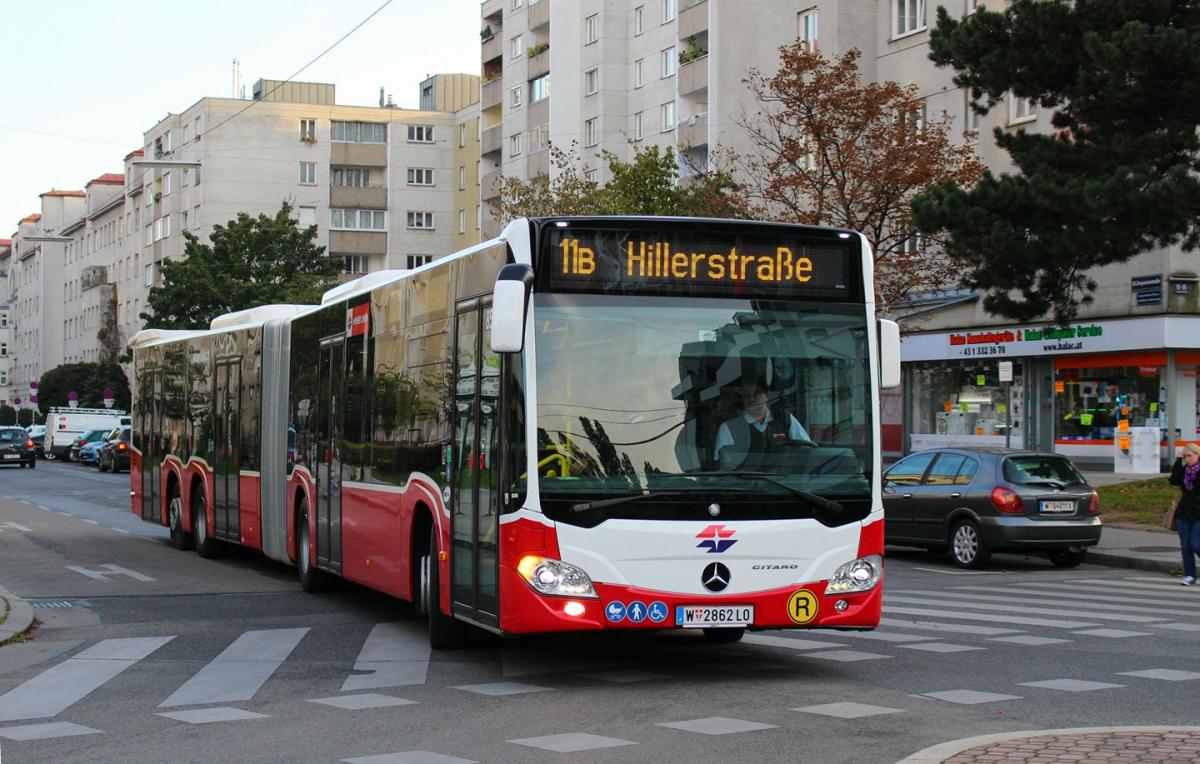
1082,337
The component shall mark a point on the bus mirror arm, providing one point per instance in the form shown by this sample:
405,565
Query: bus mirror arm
510,303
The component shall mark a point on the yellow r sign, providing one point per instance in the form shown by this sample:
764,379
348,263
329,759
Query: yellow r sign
802,606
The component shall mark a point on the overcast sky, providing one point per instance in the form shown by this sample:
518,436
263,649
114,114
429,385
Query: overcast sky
82,80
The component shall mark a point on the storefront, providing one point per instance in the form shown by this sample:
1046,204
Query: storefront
1079,390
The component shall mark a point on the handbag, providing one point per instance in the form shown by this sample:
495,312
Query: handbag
1168,520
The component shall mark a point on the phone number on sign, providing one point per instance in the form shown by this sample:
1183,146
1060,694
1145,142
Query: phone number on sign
985,350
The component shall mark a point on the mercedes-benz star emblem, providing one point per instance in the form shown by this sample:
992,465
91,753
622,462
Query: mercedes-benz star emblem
715,577
714,509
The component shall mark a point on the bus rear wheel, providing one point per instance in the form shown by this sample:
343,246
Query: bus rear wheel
445,631
206,545
180,539
311,579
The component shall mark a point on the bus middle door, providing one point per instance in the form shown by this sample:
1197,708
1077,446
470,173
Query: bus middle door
227,465
328,531
475,509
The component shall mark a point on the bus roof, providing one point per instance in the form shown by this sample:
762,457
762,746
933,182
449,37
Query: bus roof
255,316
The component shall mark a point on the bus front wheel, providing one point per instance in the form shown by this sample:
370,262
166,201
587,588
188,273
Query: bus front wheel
445,632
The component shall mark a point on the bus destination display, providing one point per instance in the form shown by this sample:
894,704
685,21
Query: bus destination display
639,262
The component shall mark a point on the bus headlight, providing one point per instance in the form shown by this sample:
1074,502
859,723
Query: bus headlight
555,577
856,576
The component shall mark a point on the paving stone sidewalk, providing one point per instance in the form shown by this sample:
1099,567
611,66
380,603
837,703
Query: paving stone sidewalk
1115,745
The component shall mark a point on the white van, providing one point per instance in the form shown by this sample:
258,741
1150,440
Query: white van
64,425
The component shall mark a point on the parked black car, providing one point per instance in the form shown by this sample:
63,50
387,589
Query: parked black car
88,436
16,447
974,501
114,454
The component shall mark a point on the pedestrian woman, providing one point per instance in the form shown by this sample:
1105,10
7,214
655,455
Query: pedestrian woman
1186,475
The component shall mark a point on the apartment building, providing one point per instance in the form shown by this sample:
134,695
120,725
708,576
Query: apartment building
90,289
5,326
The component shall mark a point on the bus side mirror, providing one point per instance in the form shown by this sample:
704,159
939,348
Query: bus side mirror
510,301
889,353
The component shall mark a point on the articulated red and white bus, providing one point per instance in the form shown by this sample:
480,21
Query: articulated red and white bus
583,424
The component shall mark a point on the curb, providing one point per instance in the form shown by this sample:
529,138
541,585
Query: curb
1136,563
20,616
935,754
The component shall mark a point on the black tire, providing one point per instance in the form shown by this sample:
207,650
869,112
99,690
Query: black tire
206,546
723,636
311,579
1067,558
180,539
33,464
100,465
967,547
445,632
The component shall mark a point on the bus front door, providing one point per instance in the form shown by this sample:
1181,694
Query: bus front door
474,510
226,471
328,531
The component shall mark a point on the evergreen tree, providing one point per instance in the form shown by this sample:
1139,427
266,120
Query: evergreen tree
1118,175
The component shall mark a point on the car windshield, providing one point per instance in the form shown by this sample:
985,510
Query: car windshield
1041,470
709,396
10,434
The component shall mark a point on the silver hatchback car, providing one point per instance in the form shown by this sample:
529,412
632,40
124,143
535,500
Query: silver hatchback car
974,501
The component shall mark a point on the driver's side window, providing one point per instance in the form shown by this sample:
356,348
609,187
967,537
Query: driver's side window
908,471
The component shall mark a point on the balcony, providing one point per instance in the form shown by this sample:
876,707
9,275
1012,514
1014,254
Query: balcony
362,197
693,132
93,276
491,48
539,15
539,64
693,76
539,113
490,186
492,94
693,19
491,9
538,163
491,140
358,154
358,242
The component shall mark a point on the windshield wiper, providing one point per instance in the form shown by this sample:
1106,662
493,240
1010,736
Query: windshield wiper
1048,481
601,503
827,504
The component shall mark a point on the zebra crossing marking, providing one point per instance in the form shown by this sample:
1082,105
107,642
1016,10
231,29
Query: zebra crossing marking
790,643
58,688
989,618
1030,640
967,697
848,710
953,628
717,725
240,670
1166,675
45,731
1113,633
211,715
109,570
1071,685
572,742
1021,608
409,757
392,656
941,647
1128,604
501,688
363,701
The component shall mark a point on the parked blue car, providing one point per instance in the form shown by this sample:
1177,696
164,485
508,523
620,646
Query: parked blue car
88,452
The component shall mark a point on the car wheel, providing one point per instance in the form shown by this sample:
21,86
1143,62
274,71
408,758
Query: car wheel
1067,558
445,632
180,539
32,463
967,547
723,636
310,577
206,545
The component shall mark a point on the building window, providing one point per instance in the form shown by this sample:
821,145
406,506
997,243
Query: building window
637,20
972,6
589,132
166,182
308,130
591,30
667,114
462,135
462,221
970,116
514,97
909,16
462,177
637,126
3,349
668,62
514,145
540,88
420,176
478,217
353,219
3,320
515,49
420,133
808,29
420,220
358,132
308,173
539,138
639,73
306,217
352,177
669,10
591,176
591,81
1019,109
416,261
356,263
516,4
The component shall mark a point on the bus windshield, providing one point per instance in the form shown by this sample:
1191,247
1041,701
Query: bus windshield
672,401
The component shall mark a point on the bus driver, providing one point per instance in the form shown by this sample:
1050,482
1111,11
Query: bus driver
745,440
